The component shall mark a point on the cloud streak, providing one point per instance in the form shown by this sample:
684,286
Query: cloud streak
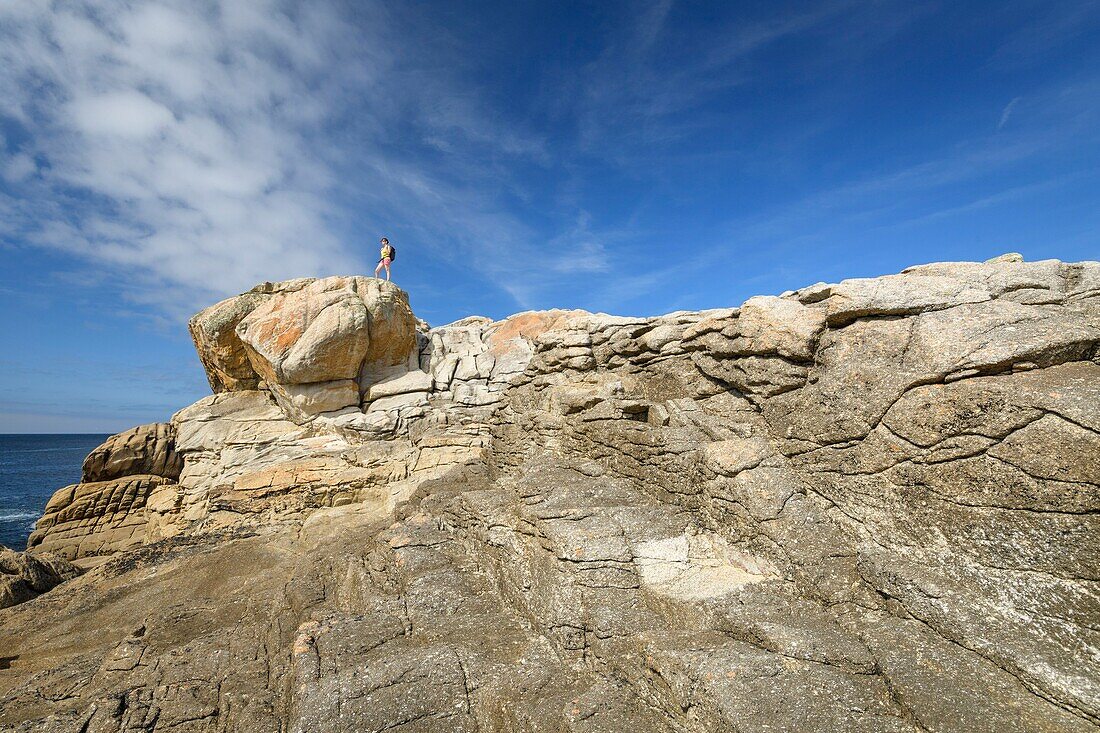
1007,112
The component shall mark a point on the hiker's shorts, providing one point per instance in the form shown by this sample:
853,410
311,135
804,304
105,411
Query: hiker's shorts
385,261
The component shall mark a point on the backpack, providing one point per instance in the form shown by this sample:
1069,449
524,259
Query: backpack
393,253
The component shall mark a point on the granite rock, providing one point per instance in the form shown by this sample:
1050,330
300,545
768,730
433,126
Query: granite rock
862,506
148,449
24,575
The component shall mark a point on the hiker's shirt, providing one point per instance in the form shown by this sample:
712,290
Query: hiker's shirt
385,253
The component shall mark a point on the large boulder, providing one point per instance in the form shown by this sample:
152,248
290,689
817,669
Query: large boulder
214,331
148,449
223,356
316,345
319,334
309,346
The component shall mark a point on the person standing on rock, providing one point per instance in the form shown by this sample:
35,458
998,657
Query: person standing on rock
386,255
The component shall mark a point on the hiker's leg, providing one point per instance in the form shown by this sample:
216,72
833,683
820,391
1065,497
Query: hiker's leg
378,269
387,271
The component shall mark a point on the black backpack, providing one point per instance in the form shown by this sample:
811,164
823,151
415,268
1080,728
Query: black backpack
393,253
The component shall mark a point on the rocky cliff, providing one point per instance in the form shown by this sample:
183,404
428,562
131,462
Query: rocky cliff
864,506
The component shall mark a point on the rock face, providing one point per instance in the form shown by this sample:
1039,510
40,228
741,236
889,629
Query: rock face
308,342
24,576
123,480
863,506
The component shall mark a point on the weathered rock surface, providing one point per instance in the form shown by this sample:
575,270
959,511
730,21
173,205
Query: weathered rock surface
864,506
148,449
223,356
97,518
24,576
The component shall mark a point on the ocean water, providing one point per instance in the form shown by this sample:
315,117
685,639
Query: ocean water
32,467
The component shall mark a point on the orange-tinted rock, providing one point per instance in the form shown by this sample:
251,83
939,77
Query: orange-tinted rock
327,332
221,352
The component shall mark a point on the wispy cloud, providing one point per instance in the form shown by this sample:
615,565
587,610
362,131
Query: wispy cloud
1007,111
176,138
202,147
652,81
579,249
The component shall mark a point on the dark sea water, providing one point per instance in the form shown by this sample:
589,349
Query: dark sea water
32,467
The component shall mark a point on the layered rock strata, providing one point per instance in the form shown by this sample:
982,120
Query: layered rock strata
129,476
864,506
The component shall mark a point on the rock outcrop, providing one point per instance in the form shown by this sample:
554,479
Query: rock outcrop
24,576
123,480
146,449
314,344
863,506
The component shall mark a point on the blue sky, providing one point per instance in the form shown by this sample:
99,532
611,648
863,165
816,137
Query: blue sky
632,157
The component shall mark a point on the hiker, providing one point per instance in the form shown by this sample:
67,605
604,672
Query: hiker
386,255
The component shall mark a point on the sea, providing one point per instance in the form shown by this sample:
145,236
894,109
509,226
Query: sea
32,467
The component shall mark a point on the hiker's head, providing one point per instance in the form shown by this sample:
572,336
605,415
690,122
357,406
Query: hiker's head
385,241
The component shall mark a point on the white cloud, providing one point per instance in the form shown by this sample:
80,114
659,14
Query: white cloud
649,86
191,131
126,115
1007,111
579,249
198,148
19,167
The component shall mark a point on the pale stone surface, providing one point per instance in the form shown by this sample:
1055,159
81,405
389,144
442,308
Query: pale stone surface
896,295
220,349
148,449
413,381
398,402
239,418
696,567
781,326
300,402
863,506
